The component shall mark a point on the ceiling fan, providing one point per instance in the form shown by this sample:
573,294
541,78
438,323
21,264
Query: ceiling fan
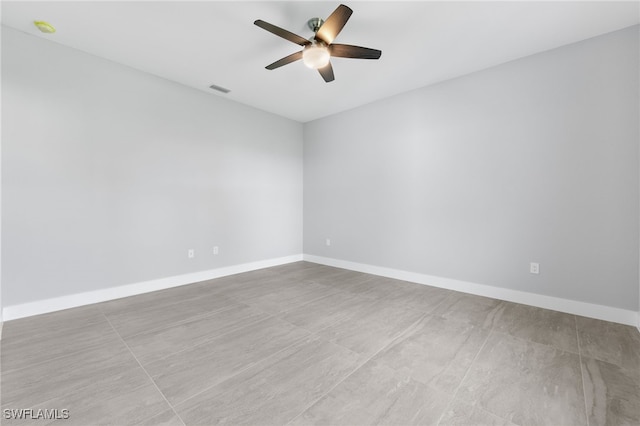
319,49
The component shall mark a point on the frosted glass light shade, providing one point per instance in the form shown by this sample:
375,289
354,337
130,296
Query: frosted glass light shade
315,56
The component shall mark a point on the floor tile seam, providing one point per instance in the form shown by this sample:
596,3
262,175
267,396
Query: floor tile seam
494,321
288,283
152,304
317,281
318,331
464,377
223,287
44,403
582,372
359,366
440,303
7,348
484,410
522,339
143,421
206,341
250,365
57,358
460,321
238,300
311,301
361,294
146,372
306,303
63,328
330,274
312,332
134,366
627,371
607,361
449,296
196,298
173,324
99,320
35,405
494,328
477,407
350,318
266,359
296,306
425,316
316,334
401,305
248,286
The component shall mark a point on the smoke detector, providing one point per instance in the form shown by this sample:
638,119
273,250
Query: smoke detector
44,27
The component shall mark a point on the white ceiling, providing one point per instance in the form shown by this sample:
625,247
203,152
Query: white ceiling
203,43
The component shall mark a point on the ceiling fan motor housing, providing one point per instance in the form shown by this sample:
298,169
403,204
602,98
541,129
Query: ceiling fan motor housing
315,24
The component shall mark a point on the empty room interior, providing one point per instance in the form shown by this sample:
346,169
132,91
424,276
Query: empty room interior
314,213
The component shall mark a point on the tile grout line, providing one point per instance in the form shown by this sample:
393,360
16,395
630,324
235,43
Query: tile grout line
342,320
145,371
105,317
362,296
58,357
584,389
424,315
248,366
253,364
181,322
178,322
286,310
455,393
204,342
435,308
357,368
336,291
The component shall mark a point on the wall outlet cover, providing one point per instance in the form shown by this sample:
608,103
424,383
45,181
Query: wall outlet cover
534,268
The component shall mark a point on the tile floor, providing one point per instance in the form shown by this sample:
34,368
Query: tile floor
305,344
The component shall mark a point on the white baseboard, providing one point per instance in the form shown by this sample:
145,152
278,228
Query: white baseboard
96,296
575,307
606,313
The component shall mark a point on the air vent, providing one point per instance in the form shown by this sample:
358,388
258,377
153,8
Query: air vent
219,89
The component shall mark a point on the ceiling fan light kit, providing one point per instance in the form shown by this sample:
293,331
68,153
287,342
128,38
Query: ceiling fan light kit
318,50
315,56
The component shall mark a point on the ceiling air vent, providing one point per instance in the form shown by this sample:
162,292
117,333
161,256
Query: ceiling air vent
219,89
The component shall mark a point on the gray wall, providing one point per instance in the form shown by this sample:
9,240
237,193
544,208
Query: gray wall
472,179
110,175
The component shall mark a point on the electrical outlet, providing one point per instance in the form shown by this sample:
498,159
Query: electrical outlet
534,268
328,242
216,250
191,253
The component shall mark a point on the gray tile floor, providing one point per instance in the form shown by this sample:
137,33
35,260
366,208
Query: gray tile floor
309,344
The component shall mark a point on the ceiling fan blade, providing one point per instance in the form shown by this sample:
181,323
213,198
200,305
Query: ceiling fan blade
280,32
348,51
334,24
284,61
327,72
